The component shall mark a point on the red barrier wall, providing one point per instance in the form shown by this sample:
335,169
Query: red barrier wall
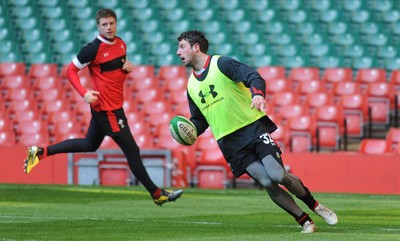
347,172
52,170
330,172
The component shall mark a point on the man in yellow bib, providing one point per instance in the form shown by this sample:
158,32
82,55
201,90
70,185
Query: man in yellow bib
219,97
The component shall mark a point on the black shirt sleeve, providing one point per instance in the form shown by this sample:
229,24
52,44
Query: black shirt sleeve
197,117
240,72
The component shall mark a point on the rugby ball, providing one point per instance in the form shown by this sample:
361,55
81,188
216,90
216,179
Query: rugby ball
183,130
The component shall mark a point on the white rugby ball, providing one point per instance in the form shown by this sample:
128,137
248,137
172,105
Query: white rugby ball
183,130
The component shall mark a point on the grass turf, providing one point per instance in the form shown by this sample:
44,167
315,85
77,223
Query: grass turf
41,212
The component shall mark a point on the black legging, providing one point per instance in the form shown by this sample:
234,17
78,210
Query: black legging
92,142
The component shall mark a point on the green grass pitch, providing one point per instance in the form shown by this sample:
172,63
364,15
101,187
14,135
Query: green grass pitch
42,212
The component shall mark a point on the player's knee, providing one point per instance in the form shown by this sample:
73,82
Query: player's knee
265,182
280,177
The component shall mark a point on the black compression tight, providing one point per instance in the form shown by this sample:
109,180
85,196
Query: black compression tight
92,142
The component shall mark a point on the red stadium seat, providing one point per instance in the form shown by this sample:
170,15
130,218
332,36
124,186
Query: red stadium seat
139,127
316,99
329,122
141,72
178,83
156,119
269,73
374,146
114,174
18,94
370,75
29,126
65,127
148,96
281,136
13,82
355,110
307,87
282,98
170,72
211,170
144,141
184,160
301,131
345,88
41,70
393,137
333,75
178,96
381,101
29,139
182,109
11,68
395,79
7,138
277,85
288,111
149,82
301,74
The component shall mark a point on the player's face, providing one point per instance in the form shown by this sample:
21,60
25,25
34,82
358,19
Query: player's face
185,53
107,27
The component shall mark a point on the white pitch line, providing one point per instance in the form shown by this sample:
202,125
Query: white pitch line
103,219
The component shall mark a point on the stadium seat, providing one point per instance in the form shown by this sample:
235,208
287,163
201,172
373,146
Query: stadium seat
282,98
332,75
280,135
140,72
269,73
29,139
13,82
65,127
114,174
7,138
301,74
171,72
329,122
183,159
211,170
374,146
286,112
347,87
29,126
307,87
277,85
355,110
182,109
395,79
42,70
139,127
144,141
301,131
177,96
316,99
370,75
393,138
381,101
12,68
148,96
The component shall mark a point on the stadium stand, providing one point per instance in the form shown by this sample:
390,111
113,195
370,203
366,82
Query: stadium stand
320,54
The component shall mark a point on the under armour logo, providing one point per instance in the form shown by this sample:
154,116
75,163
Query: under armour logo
105,54
211,92
121,123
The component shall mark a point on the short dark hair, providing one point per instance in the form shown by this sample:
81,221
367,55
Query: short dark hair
193,37
105,13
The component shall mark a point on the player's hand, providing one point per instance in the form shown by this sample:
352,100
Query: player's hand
259,103
127,66
91,96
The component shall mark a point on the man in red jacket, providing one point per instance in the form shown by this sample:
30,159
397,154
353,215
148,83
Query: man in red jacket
106,59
